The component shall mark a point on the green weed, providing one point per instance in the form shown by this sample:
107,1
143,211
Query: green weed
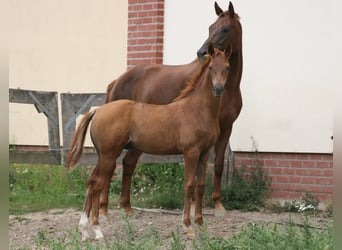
37,188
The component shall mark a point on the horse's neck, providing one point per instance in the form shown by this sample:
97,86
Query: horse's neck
236,64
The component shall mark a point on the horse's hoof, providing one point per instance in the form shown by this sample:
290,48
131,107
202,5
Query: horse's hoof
129,212
98,233
220,211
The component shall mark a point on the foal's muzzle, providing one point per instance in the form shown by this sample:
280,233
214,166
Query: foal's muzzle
218,90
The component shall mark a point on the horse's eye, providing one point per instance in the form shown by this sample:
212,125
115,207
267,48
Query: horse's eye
227,68
225,29
210,67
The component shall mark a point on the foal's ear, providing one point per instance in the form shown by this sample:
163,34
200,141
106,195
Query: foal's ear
218,10
211,50
231,9
228,51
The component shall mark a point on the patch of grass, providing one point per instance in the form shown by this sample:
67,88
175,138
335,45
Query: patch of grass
261,237
37,188
155,185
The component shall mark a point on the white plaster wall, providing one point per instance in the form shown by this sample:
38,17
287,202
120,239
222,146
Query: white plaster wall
76,46
290,68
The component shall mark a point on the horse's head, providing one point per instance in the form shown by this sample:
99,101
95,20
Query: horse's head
218,68
224,32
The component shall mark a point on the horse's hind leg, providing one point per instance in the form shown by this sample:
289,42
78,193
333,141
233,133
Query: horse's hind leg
84,221
101,174
220,149
129,163
104,198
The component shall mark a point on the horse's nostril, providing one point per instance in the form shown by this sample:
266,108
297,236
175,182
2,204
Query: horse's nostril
201,53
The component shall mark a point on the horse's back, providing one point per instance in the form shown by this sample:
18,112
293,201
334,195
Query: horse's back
151,83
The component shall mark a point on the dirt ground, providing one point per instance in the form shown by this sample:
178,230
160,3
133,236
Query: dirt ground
58,223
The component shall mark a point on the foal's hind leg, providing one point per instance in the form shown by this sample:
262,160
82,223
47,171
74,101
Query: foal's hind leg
105,198
84,221
100,176
129,163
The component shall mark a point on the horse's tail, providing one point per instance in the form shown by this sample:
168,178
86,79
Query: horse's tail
76,147
109,91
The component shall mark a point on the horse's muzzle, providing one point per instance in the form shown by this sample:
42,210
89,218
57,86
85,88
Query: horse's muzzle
218,90
201,53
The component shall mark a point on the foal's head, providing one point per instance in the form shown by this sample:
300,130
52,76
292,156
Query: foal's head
218,68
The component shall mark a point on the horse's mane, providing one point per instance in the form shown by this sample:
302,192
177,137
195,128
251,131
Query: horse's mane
191,84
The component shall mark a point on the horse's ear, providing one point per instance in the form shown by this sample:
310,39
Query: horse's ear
228,51
231,9
218,10
211,50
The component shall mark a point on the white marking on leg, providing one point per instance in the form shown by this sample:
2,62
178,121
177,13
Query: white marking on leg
98,233
85,235
82,226
84,221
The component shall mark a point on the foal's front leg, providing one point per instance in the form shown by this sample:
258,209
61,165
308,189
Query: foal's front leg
190,169
200,187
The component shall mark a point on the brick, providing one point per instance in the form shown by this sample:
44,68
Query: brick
315,172
324,181
280,179
296,163
295,179
283,163
328,172
271,163
322,164
303,156
315,156
289,171
308,180
276,171
301,171
309,164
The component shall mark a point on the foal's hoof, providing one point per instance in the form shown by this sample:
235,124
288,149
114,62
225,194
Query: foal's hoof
190,233
85,235
220,211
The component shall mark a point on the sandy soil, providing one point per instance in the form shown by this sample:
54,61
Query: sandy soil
24,229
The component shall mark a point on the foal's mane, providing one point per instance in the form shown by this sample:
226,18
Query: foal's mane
191,84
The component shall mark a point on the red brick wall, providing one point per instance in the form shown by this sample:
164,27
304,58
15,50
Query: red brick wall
293,174
145,32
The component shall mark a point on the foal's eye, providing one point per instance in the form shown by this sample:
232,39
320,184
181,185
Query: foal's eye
210,67
227,68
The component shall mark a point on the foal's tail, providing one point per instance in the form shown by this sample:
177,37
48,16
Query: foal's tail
76,148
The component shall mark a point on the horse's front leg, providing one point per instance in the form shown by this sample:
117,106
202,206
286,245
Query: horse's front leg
220,148
129,163
190,169
200,187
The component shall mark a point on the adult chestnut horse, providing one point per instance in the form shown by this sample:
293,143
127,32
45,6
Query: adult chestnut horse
160,84
192,125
